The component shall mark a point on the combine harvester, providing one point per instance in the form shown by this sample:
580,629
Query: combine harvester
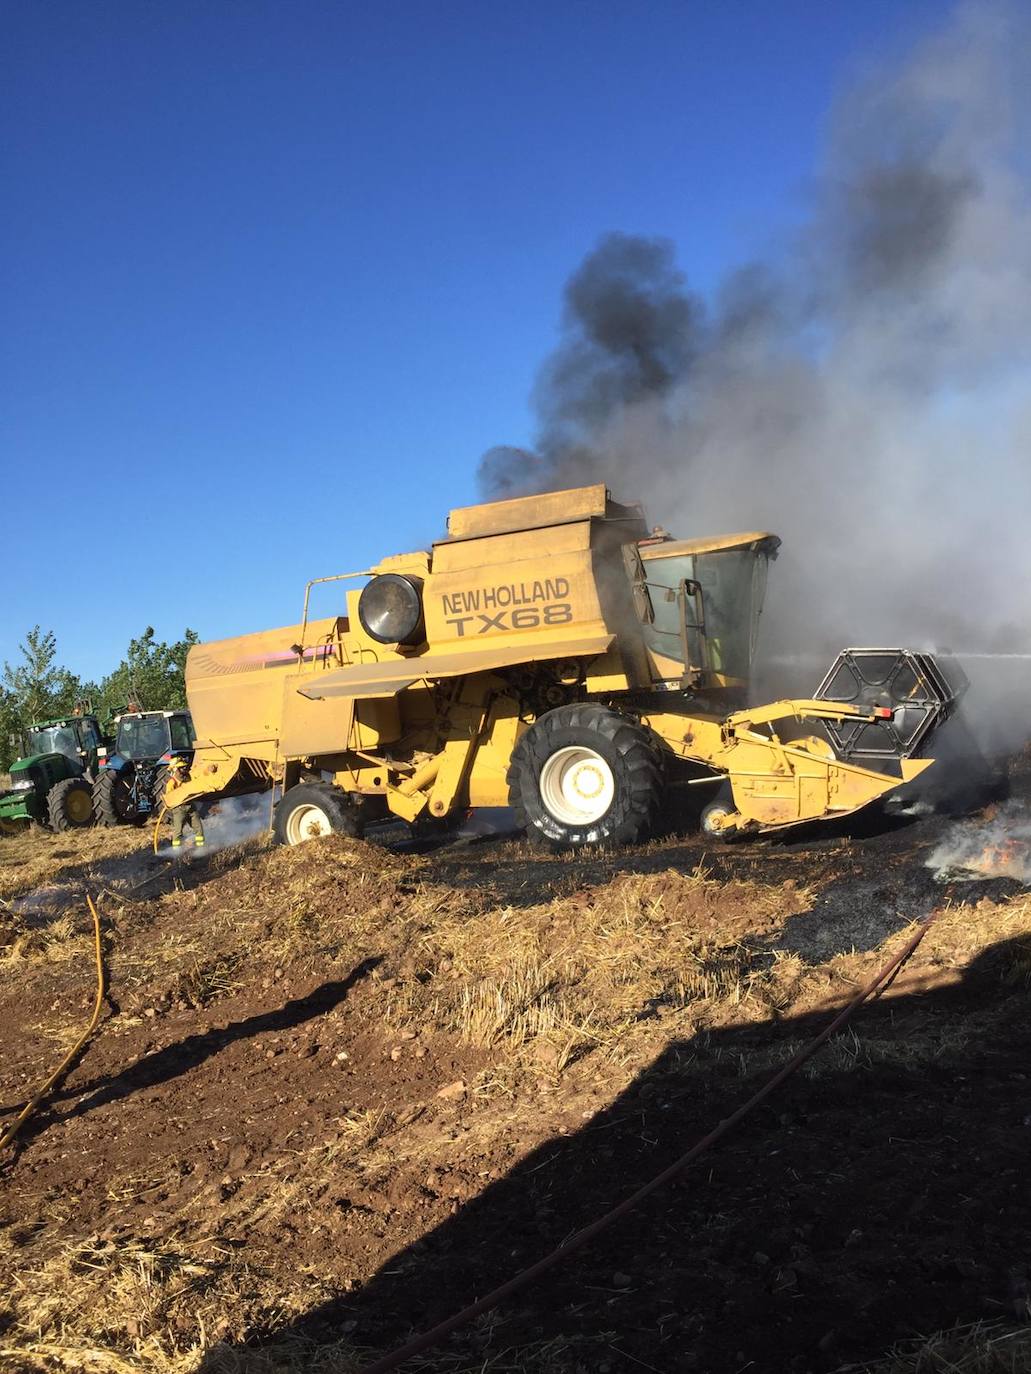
553,655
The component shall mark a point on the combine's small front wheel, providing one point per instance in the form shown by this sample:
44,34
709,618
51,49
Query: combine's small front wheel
583,774
70,804
313,809
717,821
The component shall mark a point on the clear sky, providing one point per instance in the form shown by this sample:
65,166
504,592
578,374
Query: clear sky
274,273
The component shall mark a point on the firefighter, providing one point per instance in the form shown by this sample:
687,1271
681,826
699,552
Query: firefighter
186,814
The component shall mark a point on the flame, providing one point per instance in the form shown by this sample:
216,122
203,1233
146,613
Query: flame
1006,858
998,845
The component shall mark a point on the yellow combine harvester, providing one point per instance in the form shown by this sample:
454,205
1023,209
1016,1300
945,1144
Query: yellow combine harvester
553,655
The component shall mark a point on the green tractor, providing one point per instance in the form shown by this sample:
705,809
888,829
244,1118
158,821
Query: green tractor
52,783
130,780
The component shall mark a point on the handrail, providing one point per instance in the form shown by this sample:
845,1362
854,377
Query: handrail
336,577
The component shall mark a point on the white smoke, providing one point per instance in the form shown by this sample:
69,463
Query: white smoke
863,394
229,821
996,846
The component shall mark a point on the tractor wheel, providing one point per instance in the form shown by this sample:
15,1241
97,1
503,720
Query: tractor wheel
583,774
160,783
70,804
112,800
312,809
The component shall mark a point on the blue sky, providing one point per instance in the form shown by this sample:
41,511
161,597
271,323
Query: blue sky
274,275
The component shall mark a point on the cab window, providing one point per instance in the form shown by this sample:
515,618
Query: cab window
181,734
88,734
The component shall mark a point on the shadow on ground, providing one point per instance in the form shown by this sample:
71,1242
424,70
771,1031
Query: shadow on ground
161,1066
881,1195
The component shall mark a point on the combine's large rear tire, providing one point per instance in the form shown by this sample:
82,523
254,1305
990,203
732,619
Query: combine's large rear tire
583,774
70,804
312,809
112,800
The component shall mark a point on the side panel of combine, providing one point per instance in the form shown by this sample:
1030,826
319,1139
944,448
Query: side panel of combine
314,727
236,686
531,586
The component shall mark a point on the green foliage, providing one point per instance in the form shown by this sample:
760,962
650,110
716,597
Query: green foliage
151,674
10,727
40,687
36,687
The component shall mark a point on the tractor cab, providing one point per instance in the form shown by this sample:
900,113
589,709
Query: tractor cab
700,602
131,782
78,738
148,735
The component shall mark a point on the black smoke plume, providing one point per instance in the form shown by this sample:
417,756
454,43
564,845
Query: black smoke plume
862,392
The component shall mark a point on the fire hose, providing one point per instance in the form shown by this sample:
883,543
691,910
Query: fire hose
157,826
62,1068
879,984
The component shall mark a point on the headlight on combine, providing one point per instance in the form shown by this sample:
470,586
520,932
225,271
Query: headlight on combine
22,786
390,609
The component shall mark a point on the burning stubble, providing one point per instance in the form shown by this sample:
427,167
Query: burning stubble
996,846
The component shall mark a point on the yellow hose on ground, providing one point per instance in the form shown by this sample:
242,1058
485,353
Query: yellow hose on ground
157,826
62,1068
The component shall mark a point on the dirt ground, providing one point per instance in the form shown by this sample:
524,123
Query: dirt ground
339,1092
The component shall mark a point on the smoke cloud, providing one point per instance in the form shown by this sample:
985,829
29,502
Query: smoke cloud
998,846
862,393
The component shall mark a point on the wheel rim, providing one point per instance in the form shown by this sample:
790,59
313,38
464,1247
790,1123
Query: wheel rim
577,785
714,820
78,805
307,822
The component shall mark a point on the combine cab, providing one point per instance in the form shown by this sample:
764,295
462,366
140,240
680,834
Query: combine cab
52,783
131,780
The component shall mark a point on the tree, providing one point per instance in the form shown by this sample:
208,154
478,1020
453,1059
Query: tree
10,729
151,674
35,689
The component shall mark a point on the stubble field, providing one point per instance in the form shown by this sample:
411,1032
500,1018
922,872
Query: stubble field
338,1092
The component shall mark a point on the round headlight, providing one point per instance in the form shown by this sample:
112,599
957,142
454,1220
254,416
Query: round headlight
390,609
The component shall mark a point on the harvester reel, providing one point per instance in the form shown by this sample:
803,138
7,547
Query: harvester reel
919,691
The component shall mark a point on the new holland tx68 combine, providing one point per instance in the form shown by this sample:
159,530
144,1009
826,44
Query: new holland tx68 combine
552,655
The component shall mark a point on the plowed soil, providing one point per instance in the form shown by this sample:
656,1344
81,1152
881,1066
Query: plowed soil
339,1092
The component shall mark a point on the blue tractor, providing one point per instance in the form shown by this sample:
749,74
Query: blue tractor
131,780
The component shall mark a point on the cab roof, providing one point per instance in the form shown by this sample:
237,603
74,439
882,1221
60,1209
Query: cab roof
537,512
677,548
